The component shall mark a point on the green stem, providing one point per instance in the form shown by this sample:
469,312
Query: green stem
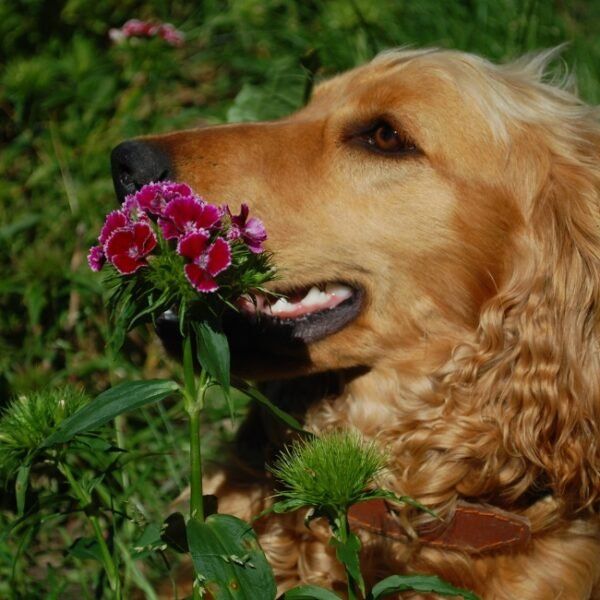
353,588
194,401
196,504
107,559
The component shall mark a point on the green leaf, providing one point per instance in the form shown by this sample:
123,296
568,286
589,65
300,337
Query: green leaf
348,553
228,559
150,541
389,495
283,506
111,403
21,484
247,389
86,548
213,351
310,592
419,583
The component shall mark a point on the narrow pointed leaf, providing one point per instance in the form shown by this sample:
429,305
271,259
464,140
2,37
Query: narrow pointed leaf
389,495
86,548
229,560
150,541
419,583
348,553
111,403
213,352
275,410
21,484
310,592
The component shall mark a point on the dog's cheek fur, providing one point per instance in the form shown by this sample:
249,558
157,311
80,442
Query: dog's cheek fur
522,400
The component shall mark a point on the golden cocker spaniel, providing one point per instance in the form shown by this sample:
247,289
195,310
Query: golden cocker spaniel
436,223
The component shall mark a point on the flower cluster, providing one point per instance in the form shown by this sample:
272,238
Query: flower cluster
202,233
136,28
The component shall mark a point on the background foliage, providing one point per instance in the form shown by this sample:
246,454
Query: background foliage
68,95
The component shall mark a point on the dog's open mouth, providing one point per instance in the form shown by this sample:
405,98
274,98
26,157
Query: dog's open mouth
307,314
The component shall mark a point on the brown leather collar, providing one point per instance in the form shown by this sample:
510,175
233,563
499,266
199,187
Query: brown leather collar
473,528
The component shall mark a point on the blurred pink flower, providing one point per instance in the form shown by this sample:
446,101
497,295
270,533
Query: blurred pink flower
134,28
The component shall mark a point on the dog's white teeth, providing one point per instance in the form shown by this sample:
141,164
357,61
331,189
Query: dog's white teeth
314,297
282,305
338,290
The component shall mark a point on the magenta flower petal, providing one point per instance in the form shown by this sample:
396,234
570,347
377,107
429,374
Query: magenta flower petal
183,212
126,265
168,229
188,214
218,257
211,216
252,231
200,278
114,220
240,220
133,210
96,258
120,242
144,238
151,199
254,235
193,245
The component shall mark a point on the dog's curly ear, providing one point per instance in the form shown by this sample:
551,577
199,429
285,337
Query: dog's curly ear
534,373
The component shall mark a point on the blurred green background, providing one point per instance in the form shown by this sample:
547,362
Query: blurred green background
68,95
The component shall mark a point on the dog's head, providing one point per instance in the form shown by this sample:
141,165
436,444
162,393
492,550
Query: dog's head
448,209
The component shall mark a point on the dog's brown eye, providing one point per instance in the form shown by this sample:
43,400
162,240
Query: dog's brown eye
385,139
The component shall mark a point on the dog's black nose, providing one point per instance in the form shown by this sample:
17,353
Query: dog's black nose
135,163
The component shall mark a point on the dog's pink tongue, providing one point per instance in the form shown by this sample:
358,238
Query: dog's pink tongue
315,300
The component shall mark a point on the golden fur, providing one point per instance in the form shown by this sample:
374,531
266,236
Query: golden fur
475,361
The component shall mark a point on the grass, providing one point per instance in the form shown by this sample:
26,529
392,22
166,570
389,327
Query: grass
67,96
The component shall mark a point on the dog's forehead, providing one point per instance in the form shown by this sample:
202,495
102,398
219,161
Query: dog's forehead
408,81
423,91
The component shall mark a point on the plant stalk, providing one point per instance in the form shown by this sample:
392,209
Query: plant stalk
196,504
342,531
107,559
194,401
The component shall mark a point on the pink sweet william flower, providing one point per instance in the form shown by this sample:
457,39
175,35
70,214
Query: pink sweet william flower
186,214
127,247
114,220
251,231
154,197
96,258
208,260
133,210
